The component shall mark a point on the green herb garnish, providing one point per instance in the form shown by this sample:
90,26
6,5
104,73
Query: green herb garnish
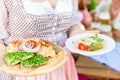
13,58
96,38
35,61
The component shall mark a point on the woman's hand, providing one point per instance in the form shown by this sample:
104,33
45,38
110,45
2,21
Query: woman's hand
76,29
92,31
2,48
2,45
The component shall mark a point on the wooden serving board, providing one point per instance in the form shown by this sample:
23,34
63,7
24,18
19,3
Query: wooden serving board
52,65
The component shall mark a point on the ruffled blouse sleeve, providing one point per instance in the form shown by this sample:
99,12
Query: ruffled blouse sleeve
78,16
3,20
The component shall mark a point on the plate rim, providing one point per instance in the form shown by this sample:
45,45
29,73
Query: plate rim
6,69
86,53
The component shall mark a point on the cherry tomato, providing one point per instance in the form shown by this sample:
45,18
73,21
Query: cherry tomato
82,46
19,45
35,43
47,42
15,42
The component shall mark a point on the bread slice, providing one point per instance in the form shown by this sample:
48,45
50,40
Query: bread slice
34,61
14,58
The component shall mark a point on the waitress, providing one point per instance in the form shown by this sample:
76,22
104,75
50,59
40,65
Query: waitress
53,20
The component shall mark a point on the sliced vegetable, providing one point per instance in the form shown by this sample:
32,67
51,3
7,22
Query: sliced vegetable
15,42
46,43
91,43
30,45
82,46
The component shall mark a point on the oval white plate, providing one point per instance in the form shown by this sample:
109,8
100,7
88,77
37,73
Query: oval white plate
109,44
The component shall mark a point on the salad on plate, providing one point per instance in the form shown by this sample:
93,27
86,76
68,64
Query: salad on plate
90,43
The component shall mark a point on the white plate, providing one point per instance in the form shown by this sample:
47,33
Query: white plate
108,43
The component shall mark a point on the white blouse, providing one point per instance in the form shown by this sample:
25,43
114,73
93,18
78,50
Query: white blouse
40,8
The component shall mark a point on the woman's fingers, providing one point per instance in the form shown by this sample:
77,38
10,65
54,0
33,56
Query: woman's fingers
92,31
80,32
2,48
